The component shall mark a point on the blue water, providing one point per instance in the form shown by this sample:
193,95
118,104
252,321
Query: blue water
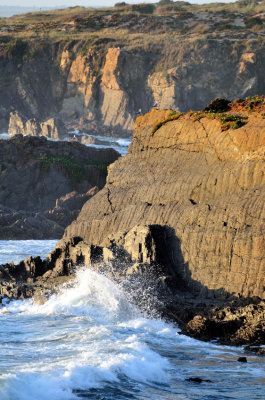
17,250
89,342
119,144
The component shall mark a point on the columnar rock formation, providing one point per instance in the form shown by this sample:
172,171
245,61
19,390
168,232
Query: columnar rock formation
205,186
184,210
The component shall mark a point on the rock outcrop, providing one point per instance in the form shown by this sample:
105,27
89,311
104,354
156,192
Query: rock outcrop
52,128
184,211
205,186
44,184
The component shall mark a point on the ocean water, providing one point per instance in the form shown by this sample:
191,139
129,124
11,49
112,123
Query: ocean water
89,342
119,144
17,250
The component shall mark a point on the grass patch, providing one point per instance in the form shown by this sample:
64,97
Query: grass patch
228,121
102,167
253,101
174,115
74,171
18,50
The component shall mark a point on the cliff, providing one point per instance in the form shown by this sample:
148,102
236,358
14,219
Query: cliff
205,185
95,69
44,184
183,212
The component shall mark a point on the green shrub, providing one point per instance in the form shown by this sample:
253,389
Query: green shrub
218,105
121,4
228,121
253,101
250,22
20,50
144,8
16,48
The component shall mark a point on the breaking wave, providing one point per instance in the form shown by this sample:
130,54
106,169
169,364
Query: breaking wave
90,342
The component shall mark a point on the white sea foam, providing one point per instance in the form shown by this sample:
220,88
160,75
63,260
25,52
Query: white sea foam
92,294
89,339
104,349
4,136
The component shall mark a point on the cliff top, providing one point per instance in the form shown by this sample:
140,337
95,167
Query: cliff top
240,20
231,114
232,130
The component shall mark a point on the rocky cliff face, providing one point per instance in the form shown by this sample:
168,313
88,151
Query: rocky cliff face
101,88
180,219
204,186
44,184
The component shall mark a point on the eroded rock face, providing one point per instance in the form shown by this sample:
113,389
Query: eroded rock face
105,100
206,185
43,184
184,209
52,128
100,89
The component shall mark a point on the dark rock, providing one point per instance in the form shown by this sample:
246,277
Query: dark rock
242,359
197,380
44,184
255,349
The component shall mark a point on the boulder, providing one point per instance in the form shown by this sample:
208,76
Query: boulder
52,128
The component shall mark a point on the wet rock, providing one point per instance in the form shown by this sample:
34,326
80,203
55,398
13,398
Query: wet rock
242,359
198,380
255,349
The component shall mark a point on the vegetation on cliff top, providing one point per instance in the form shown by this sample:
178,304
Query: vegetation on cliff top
227,121
131,25
174,115
223,110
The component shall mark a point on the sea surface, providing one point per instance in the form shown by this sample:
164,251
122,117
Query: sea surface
119,144
89,342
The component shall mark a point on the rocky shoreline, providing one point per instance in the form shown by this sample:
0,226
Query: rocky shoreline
231,321
179,224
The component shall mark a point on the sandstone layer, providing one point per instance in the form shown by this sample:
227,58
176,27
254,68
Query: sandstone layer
43,184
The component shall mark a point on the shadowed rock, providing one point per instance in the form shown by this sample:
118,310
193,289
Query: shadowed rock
44,184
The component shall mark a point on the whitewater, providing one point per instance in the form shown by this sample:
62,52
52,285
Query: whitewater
90,342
